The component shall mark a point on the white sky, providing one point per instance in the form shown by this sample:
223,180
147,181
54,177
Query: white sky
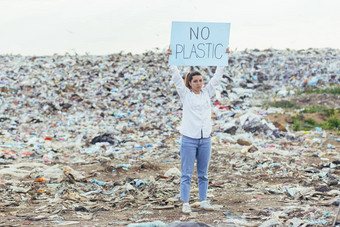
45,27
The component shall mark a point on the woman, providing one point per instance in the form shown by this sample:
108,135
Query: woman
195,130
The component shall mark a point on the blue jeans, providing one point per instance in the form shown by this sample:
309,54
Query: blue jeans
192,149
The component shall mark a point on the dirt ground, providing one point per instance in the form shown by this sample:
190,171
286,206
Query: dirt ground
309,100
241,195
324,100
241,187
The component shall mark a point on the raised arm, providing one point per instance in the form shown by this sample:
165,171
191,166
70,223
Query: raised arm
216,80
177,79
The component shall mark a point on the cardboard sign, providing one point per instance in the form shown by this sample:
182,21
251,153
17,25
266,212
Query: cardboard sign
199,43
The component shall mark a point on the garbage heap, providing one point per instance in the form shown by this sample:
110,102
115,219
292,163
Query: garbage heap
61,115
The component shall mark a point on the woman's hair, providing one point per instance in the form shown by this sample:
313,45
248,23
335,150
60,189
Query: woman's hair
189,76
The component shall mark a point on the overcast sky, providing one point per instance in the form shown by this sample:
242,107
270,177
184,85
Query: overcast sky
45,27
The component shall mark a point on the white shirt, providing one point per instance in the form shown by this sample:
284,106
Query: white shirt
196,121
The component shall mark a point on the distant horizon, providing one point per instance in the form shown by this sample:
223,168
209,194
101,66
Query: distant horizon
154,50
104,27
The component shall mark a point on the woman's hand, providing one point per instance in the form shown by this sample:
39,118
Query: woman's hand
169,51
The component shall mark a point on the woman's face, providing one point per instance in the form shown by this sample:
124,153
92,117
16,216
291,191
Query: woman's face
196,84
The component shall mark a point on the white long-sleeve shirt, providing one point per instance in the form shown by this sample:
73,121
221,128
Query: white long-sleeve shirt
196,120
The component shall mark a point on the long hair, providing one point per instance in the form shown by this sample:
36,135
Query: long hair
189,76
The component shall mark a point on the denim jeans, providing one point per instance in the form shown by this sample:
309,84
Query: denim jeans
192,149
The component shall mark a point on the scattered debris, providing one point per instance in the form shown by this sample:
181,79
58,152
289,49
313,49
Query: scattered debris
86,138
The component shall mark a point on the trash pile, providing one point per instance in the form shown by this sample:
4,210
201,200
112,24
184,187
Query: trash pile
88,139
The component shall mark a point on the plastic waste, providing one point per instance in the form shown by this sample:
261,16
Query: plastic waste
94,181
116,118
172,172
148,224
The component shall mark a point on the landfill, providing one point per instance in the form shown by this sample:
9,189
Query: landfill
94,141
